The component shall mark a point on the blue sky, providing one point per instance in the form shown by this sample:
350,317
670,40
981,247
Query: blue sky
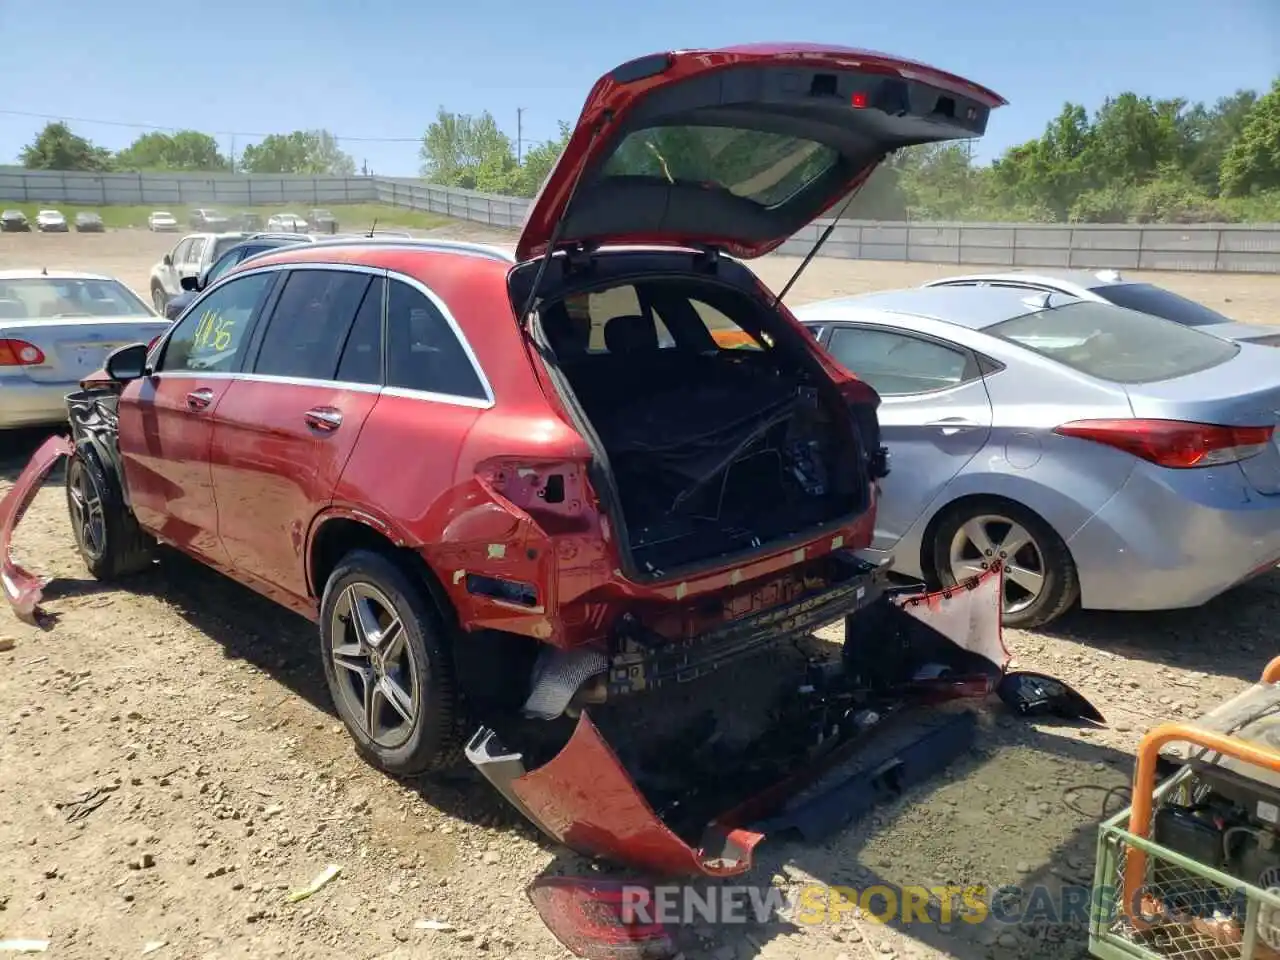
379,69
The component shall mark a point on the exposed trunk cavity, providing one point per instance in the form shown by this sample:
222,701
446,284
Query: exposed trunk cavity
715,431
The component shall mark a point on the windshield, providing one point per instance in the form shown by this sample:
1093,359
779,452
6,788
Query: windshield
1163,303
1112,343
48,298
768,168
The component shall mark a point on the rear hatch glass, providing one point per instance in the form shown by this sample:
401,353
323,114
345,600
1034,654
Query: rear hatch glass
1162,303
1115,344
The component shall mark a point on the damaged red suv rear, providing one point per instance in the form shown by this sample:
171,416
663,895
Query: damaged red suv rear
509,489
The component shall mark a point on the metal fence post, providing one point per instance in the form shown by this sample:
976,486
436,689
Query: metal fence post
1142,236
1217,251
1071,247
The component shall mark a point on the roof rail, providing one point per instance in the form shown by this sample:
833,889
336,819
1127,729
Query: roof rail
424,243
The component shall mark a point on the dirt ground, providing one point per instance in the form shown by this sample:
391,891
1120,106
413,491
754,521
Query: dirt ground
200,712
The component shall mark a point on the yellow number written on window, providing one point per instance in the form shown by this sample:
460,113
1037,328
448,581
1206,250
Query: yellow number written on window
213,333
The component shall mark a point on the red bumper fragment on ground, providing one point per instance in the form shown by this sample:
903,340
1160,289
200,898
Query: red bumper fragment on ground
21,587
585,798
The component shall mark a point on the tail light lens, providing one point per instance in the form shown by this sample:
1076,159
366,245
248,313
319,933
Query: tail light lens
597,919
154,340
19,353
1174,443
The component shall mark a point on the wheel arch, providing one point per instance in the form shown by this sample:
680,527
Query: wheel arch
972,499
335,534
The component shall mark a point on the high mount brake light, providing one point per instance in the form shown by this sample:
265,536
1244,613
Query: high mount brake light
1174,443
19,353
600,919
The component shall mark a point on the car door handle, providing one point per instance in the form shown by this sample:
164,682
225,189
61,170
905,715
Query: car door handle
323,418
199,399
953,425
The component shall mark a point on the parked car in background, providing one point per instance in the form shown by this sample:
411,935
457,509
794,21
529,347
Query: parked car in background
1106,455
1108,286
208,219
287,223
89,222
190,257
162,221
322,221
14,221
488,505
51,221
249,221
251,247
57,327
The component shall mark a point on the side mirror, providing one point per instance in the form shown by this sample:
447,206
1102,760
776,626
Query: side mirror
168,260
190,284
127,363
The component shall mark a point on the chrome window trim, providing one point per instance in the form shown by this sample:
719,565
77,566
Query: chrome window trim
440,305
478,403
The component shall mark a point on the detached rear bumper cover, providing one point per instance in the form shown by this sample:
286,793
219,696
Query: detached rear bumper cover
585,799
21,587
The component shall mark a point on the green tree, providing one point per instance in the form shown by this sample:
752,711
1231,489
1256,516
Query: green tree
184,150
57,148
540,160
1252,162
314,152
1208,133
457,147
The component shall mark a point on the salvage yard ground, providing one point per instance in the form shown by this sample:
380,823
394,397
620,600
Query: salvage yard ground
200,712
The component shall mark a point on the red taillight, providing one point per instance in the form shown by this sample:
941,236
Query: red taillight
601,919
859,100
19,353
1173,443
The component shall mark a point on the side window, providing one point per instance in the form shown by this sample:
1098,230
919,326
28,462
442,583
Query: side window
310,323
727,334
361,360
179,253
600,308
212,336
422,351
896,364
196,250
228,261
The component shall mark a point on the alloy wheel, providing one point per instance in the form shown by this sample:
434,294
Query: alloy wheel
986,539
88,519
158,300
375,665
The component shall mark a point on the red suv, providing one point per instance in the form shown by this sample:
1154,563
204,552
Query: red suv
607,464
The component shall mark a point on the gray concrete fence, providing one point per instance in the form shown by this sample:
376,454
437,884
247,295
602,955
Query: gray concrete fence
1220,248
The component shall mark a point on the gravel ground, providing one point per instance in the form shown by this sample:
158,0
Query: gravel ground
199,709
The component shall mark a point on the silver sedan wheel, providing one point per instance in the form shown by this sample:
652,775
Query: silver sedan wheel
158,300
88,519
985,539
375,668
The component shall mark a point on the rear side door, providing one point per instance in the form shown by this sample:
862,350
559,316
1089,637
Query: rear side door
935,414
166,418
286,428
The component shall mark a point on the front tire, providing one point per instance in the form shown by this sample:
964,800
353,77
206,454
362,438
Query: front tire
107,536
1040,578
388,665
159,299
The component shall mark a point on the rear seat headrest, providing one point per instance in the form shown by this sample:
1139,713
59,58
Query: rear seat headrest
630,333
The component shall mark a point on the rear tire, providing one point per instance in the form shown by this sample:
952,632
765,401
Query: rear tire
159,299
107,536
388,666
1041,581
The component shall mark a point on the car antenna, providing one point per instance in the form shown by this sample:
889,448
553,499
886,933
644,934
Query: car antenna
373,228
44,271
821,240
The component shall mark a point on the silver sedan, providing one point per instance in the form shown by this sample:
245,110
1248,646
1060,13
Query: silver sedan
1108,457
57,327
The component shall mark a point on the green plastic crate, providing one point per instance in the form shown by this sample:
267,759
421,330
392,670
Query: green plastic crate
1174,881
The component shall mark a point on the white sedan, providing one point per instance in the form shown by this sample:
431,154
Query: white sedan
287,223
51,221
161,220
56,328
